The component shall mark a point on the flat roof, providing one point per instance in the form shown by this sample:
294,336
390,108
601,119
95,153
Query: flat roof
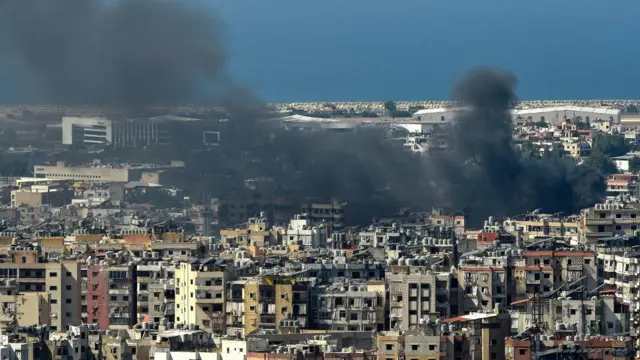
561,108
470,317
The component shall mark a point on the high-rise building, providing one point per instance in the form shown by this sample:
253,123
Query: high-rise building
200,293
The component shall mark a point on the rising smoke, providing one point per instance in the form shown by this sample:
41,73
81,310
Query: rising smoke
120,53
136,53
486,175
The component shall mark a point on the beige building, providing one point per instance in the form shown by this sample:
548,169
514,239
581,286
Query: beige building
201,286
60,171
416,294
394,345
609,219
41,292
38,192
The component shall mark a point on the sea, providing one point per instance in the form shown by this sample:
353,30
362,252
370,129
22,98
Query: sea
378,50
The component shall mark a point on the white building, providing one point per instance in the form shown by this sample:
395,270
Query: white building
86,173
86,131
303,231
140,132
429,118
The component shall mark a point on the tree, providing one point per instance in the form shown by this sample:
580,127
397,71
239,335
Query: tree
634,164
632,109
600,162
390,106
541,124
530,150
610,144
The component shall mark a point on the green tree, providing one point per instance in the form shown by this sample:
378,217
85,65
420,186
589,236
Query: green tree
634,164
601,162
401,114
530,150
610,144
541,124
390,106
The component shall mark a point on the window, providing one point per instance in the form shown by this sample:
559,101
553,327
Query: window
125,298
415,347
523,351
53,274
114,298
67,314
69,273
53,288
205,308
432,347
94,297
53,301
389,347
68,287
68,301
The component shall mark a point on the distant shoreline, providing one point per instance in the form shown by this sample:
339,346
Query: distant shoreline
356,106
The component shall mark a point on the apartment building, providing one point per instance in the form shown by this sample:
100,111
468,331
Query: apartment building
201,286
122,296
149,306
396,345
57,282
541,271
267,303
535,228
418,295
329,271
476,335
22,309
609,219
574,314
592,348
38,192
620,268
347,307
483,287
331,213
622,184
256,233
485,278
303,231
95,308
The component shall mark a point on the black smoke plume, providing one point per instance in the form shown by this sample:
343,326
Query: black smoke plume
124,53
483,172
138,53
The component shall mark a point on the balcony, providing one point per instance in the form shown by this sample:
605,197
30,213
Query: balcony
626,220
595,221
